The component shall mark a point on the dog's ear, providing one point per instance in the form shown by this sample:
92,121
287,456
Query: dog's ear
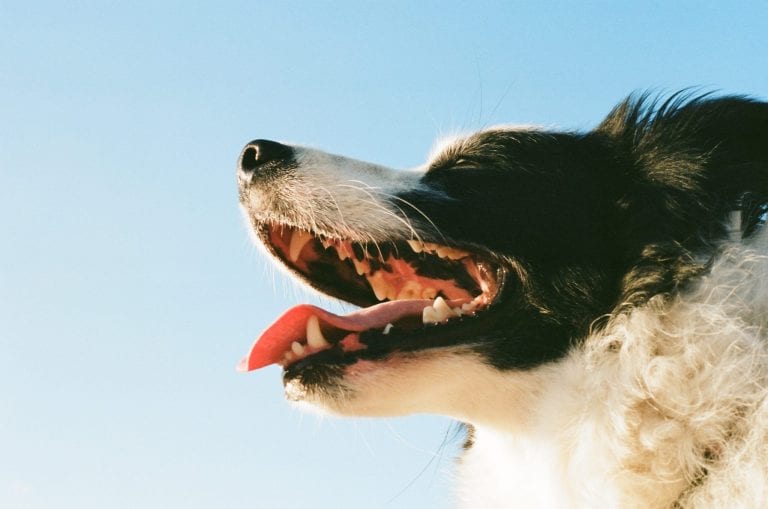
686,165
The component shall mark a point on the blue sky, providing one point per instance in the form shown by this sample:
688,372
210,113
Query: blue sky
128,286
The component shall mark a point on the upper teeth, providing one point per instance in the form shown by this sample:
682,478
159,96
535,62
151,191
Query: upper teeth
417,246
450,253
345,250
379,285
441,251
362,267
298,241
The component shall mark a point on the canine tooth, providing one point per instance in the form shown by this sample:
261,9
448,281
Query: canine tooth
442,309
416,246
297,348
315,337
468,307
379,286
429,315
362,267
288,357
298,241
387,328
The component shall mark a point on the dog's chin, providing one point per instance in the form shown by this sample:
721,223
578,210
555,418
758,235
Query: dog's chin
454,382
399,384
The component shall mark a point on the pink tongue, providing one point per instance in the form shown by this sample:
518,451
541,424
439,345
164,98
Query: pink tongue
292,326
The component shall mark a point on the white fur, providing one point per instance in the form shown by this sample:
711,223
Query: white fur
626,420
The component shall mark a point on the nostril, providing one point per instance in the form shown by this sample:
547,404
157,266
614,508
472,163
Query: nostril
249,161
259,152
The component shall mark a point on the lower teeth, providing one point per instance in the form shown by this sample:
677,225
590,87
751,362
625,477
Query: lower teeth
439,312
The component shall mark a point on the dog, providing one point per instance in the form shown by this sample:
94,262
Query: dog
592,306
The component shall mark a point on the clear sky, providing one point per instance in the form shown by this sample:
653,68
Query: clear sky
128,287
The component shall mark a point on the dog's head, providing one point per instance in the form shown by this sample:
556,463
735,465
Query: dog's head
498,255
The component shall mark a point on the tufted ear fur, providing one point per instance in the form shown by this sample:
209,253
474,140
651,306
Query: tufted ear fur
688,164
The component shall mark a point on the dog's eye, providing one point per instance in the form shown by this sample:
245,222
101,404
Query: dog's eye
462,162
465,163
455,164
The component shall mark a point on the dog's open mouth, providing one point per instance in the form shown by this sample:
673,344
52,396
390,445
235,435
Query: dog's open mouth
406,289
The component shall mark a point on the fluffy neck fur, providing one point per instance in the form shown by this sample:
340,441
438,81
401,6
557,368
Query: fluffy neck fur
665,407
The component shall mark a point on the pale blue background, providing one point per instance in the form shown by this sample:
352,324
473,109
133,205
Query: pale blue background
128,287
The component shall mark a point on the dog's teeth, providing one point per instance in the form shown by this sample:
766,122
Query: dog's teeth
362,267
442,309
416,246
288,357
450,253
468,308
297,348
315,337
341,250
379,286
430,247
429,315
298,241
387,328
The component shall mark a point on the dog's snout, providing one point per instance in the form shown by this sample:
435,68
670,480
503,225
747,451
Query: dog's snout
258,153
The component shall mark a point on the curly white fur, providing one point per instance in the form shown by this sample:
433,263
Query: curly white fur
665,407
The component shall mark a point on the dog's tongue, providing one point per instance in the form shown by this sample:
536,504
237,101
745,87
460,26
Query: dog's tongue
292,326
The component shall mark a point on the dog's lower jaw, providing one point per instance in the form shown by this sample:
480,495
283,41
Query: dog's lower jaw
454,382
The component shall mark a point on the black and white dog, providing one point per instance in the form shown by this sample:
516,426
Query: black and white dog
594,306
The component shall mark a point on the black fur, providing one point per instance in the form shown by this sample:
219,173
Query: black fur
589,223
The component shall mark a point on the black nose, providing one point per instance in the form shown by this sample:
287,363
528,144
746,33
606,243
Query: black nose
260,152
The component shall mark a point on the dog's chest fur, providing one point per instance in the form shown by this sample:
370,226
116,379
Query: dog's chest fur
664,408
